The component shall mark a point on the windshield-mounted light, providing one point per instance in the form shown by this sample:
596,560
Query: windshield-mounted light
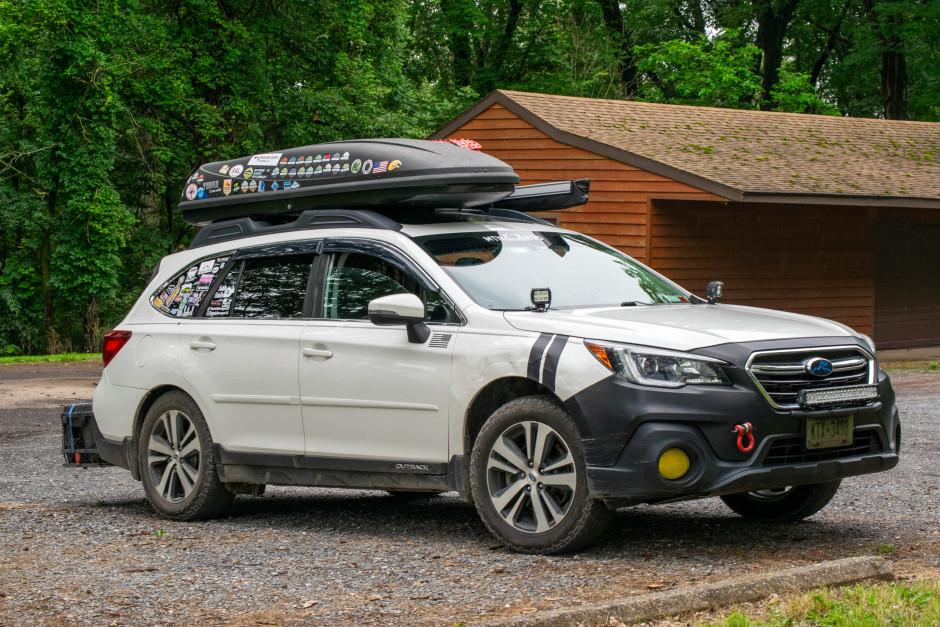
659,368
541,298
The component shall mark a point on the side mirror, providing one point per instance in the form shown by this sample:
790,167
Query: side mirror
401,309
714,291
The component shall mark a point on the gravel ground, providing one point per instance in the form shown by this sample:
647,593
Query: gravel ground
84,547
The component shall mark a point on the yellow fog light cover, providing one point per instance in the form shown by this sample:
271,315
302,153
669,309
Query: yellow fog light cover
674,463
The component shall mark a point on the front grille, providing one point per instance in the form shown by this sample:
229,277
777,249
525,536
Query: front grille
792,450
782,375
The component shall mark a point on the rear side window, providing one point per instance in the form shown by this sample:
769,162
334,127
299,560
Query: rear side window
272,288
181,295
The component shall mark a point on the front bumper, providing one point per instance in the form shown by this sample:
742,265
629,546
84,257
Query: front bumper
626,428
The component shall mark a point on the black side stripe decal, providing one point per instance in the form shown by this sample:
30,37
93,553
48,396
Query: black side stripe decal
551,361
535,355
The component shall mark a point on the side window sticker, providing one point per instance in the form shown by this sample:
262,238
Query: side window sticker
181,295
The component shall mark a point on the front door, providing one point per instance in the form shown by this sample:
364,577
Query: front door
365,391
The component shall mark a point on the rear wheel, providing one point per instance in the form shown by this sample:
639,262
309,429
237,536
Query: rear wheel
176,463
529,480
784,504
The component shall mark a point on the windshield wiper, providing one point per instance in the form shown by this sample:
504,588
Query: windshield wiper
633,303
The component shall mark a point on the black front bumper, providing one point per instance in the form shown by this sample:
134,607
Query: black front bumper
626,428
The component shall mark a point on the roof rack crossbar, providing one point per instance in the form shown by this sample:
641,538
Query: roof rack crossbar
240,228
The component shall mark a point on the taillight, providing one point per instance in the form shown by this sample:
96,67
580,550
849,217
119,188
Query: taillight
113,342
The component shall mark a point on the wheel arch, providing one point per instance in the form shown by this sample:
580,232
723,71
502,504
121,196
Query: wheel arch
141,415
494,395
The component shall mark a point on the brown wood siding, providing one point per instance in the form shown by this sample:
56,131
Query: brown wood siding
805,259
907,283
620,194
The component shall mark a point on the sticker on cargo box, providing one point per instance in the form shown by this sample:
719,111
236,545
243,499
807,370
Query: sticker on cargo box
266,159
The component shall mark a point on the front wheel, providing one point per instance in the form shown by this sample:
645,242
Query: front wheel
176,463
529,480
784,504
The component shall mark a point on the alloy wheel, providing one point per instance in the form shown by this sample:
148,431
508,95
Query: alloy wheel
173,456
531,477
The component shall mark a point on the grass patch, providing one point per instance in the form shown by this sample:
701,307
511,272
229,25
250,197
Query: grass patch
35,359
911,366
904,604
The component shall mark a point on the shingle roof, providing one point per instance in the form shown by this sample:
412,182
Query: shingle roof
745,154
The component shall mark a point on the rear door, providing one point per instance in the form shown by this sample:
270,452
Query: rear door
241,354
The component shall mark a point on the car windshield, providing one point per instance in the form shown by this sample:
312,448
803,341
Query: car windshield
499,268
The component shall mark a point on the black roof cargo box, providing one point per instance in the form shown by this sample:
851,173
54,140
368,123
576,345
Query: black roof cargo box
407,173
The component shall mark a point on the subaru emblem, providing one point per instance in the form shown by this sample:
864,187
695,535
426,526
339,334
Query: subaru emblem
818,367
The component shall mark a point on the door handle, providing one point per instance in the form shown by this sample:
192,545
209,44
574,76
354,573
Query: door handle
197,344
316,352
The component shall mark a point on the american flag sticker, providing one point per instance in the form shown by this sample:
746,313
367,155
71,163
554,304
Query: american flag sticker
380,166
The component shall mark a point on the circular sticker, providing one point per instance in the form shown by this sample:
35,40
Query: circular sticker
191,191
367,167
356,166
235,170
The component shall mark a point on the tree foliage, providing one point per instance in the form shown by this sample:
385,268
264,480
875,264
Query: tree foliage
106,107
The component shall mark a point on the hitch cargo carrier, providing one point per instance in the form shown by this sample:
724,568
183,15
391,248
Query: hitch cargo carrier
79,445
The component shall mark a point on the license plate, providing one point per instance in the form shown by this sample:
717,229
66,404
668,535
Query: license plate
829,432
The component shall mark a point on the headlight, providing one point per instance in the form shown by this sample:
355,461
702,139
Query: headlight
659,368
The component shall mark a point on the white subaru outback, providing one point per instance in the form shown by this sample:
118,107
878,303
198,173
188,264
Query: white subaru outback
423,337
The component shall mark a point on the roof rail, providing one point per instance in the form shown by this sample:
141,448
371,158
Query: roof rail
228,230
512,214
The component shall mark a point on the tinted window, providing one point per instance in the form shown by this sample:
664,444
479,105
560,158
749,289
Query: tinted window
271,287
181,295
356,279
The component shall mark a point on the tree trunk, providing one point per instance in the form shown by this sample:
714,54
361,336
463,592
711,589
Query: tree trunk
619,34
773,19
497,57
893,60
894,82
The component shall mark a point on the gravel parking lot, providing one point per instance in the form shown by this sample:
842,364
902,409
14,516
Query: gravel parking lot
84,547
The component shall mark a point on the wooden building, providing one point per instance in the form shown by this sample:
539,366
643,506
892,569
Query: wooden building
828,216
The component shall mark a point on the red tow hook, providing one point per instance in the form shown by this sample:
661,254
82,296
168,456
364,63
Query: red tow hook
745,437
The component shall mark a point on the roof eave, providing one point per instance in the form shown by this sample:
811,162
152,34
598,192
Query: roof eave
682,176
841,199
